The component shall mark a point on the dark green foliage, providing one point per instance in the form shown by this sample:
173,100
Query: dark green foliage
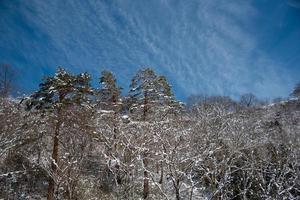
147,84
150,94
82,146
62,89
296,91
109,93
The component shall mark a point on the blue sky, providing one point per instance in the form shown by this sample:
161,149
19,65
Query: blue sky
203,47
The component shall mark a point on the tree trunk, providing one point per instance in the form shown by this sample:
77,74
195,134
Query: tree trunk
177,194
177,189
161,173
145,159
145,108
161,180
146,177
54,162
176,186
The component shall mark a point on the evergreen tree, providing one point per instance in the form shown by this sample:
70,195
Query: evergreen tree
110,102
296,91
109,94
148,91
56,94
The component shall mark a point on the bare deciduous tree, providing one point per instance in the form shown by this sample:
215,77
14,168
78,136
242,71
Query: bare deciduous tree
7,78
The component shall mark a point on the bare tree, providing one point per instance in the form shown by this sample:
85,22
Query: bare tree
7,76
248,100
94,148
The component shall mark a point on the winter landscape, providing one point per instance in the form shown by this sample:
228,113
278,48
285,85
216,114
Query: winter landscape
129,100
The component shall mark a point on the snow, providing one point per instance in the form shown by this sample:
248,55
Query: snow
125,116
105,111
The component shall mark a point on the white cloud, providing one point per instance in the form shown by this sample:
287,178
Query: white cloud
203,46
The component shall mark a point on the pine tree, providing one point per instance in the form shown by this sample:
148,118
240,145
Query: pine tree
109,94
296,91
148,92
56,94
110,101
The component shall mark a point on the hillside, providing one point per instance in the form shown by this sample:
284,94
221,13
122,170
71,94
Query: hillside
205,152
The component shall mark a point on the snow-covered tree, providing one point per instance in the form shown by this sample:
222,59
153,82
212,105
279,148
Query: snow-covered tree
296,91
56,96
83,144
148,92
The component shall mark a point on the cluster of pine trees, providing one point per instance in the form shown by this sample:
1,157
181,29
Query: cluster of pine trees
69,140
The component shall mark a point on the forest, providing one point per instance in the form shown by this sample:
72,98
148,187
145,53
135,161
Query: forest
71,140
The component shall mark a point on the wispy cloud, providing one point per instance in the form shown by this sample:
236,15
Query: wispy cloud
201,46
209,48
